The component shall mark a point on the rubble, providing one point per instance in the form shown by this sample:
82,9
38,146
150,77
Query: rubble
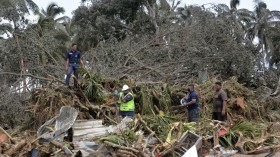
160,130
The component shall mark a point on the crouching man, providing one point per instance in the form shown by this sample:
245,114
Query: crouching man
126,101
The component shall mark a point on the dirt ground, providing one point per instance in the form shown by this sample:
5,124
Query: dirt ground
259,155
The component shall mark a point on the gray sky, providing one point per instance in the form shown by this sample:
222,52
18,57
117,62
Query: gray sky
71,5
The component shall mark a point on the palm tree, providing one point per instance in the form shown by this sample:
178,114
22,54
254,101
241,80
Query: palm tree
48,18
50,22
262,22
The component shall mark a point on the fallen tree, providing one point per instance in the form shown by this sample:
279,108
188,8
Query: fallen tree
160,119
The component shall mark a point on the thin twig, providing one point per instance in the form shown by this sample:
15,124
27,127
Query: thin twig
148,129
121,147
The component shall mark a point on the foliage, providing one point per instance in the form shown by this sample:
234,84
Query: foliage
114,139
144,40
92,87
12,108
244,129
160,124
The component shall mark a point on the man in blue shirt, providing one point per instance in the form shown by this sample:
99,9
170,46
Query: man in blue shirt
72,64
192,104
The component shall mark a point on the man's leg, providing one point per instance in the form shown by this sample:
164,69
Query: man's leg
218,116
130,114
122,114
75,68
69,73
224,118
193,115
214,117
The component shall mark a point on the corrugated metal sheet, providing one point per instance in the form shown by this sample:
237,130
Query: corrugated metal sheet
89,129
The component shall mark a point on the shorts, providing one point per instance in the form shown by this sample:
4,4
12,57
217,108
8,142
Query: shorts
218,116
193,115
129,114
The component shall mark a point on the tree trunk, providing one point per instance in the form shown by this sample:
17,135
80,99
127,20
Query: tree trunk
22,71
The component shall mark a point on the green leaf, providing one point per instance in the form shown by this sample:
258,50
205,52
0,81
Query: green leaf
114,139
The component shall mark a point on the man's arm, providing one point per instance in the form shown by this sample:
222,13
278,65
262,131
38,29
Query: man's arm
80,59
81,62
127,98
224,107
224,98
67,63
190,103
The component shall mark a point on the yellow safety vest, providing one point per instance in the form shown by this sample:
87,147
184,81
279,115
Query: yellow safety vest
127,106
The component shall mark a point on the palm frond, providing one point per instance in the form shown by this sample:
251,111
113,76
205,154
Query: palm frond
164,5
92,87
62,36
63,19
5,3
221,8
53,10
274,15
32,6
5,28
260,7
234,4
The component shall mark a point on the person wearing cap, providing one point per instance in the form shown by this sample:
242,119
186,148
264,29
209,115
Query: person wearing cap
126,101
191,101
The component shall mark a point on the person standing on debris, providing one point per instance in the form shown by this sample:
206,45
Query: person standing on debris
126,101
219,103
72,64
192,104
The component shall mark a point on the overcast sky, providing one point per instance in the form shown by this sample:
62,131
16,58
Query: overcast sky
71,5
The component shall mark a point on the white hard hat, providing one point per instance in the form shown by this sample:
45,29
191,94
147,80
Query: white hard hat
125,87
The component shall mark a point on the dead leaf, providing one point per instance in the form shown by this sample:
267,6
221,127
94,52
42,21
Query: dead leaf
240,103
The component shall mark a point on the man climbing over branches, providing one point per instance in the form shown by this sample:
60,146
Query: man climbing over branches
72,64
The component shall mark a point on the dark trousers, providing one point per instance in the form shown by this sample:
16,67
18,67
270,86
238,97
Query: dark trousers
124,114
193,115
218,116
72,68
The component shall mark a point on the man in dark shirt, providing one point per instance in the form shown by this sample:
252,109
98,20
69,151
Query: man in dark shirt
72,64
192,104
219,103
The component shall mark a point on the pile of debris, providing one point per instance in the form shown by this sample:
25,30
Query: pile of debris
91,138
85,121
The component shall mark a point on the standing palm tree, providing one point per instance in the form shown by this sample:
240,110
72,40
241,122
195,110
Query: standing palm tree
50,22
48,18
263,21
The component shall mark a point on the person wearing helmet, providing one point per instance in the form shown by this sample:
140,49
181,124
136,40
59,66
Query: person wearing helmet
126,101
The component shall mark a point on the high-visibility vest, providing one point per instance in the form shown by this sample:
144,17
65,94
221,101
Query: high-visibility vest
127,106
